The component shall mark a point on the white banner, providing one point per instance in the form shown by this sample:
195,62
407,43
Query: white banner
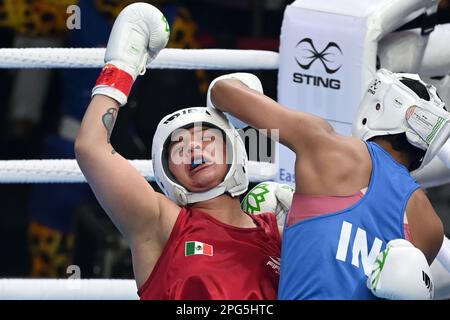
321,55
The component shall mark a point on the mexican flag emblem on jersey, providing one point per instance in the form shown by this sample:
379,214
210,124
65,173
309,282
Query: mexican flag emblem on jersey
195,247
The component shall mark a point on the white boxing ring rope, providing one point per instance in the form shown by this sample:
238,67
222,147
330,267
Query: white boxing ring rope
68,289
67,171
208,59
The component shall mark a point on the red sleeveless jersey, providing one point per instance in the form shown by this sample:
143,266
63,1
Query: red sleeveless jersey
206,259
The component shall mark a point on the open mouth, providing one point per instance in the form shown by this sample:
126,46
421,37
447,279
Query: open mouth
199,164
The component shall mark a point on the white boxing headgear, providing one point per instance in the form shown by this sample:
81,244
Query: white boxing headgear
384,107
236,179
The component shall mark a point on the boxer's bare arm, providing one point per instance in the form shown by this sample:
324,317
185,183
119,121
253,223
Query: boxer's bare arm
126,196
321,152
144,217
425,226
297,130
129,200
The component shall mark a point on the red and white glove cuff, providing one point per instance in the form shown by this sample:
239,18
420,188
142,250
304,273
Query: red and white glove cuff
114,83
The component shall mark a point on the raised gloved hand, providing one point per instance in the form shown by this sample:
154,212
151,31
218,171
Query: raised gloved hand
401,272
269,196
139,33
250,80
429,129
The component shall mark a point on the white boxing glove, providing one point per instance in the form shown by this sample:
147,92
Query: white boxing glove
250,80
444,153
401,272
269,196
139,33
444,254
429,129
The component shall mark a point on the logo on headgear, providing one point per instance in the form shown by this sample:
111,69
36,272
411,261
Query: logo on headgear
186,111
325,56
374,86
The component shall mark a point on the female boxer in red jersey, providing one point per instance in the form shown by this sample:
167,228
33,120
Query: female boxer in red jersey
194,242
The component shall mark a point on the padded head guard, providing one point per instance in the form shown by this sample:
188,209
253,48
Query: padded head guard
383,110
236,179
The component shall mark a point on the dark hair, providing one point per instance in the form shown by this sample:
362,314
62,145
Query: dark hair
399,142
417,87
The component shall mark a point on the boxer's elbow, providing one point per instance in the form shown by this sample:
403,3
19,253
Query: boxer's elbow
86,148
218,92
81,148
91,139
227,94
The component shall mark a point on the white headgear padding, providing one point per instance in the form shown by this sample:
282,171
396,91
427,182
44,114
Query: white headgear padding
235,181
383,111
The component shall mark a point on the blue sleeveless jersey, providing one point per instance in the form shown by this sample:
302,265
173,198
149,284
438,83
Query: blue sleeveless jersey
330,256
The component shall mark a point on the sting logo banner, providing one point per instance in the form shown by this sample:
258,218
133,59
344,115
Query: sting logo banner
307,55
328,56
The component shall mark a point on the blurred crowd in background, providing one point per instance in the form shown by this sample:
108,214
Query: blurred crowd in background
44,228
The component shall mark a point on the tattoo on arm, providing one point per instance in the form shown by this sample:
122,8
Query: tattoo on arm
109,119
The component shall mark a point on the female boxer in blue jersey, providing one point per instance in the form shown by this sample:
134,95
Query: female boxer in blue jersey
194,242
355,203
